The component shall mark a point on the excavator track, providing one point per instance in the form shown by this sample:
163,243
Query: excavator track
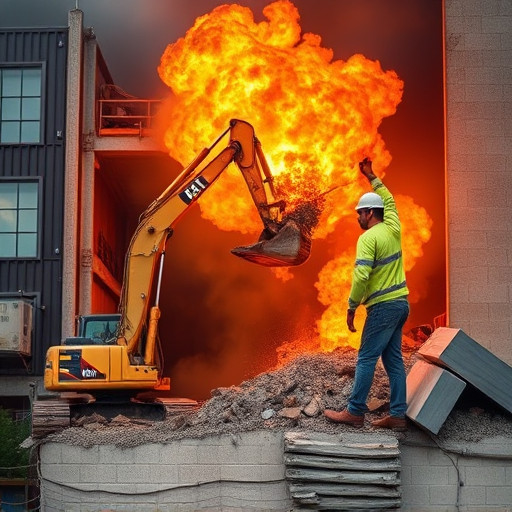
51,416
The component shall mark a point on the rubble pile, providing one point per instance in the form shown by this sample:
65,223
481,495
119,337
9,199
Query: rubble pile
290,397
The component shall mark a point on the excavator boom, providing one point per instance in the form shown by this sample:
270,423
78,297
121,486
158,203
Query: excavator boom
129,362
158,221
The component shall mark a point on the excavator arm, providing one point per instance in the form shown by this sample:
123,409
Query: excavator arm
147,247
129,362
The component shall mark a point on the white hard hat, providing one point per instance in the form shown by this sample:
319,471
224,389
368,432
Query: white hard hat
370,200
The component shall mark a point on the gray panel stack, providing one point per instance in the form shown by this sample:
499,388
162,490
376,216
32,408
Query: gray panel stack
455,350
431,394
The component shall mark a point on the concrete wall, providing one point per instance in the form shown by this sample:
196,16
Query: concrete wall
246,472
479,170
218,473
462,477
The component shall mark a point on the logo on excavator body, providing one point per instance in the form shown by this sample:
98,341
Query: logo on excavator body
73,367
89,373
194,189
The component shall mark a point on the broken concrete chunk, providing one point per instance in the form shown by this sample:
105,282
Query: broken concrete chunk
292,413
313,408
93,426
267,414
120,419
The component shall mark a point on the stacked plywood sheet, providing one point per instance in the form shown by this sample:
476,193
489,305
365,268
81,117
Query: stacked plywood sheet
342,472
451,360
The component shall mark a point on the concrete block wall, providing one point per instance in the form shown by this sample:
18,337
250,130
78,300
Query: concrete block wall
217,473
478,42
246,472
462,477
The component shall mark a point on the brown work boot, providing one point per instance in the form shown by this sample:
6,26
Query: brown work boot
392,422
344,417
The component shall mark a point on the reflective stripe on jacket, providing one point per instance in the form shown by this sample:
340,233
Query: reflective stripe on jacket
379,272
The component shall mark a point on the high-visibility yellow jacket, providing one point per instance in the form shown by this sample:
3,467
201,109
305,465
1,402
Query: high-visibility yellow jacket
379,272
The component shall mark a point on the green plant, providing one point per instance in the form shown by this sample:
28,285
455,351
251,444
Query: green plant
13,458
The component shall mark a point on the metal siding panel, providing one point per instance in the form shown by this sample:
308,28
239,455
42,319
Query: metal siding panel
41,277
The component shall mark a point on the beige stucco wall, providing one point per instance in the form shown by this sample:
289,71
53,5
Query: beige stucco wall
478,40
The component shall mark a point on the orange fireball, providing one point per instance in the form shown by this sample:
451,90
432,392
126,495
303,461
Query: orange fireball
316,118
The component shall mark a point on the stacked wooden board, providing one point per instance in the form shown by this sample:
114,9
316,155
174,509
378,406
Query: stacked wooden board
49,417
451,360
342,472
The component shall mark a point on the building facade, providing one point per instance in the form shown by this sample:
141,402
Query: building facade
33,64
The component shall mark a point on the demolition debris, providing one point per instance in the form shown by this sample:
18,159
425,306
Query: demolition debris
292,396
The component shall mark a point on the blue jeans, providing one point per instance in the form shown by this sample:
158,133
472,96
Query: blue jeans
382,337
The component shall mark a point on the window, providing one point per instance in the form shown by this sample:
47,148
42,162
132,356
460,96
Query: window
20,105
19,219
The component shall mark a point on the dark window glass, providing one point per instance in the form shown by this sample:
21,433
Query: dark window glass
20,105
19,219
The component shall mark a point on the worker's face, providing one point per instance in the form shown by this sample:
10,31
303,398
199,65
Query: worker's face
363,217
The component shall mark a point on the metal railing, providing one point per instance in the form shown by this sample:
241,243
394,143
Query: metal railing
126,117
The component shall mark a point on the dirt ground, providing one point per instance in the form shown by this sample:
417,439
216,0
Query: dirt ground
290,397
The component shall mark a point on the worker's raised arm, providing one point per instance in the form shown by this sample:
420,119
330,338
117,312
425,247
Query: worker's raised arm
391,218
366,169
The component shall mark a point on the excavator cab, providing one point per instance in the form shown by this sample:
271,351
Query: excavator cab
100,329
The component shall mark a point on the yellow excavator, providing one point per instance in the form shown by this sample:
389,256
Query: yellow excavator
124,359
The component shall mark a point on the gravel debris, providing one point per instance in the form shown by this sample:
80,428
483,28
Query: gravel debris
292,396
473,425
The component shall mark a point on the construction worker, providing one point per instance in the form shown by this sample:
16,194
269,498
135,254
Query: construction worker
379,284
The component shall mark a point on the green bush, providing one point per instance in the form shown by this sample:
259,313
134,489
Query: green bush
13,458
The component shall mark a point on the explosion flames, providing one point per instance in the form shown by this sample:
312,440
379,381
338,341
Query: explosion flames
316,118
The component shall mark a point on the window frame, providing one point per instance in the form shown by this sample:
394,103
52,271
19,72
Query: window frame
39,181
26,65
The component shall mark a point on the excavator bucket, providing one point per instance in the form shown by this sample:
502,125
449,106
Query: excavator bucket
289,243
289,247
